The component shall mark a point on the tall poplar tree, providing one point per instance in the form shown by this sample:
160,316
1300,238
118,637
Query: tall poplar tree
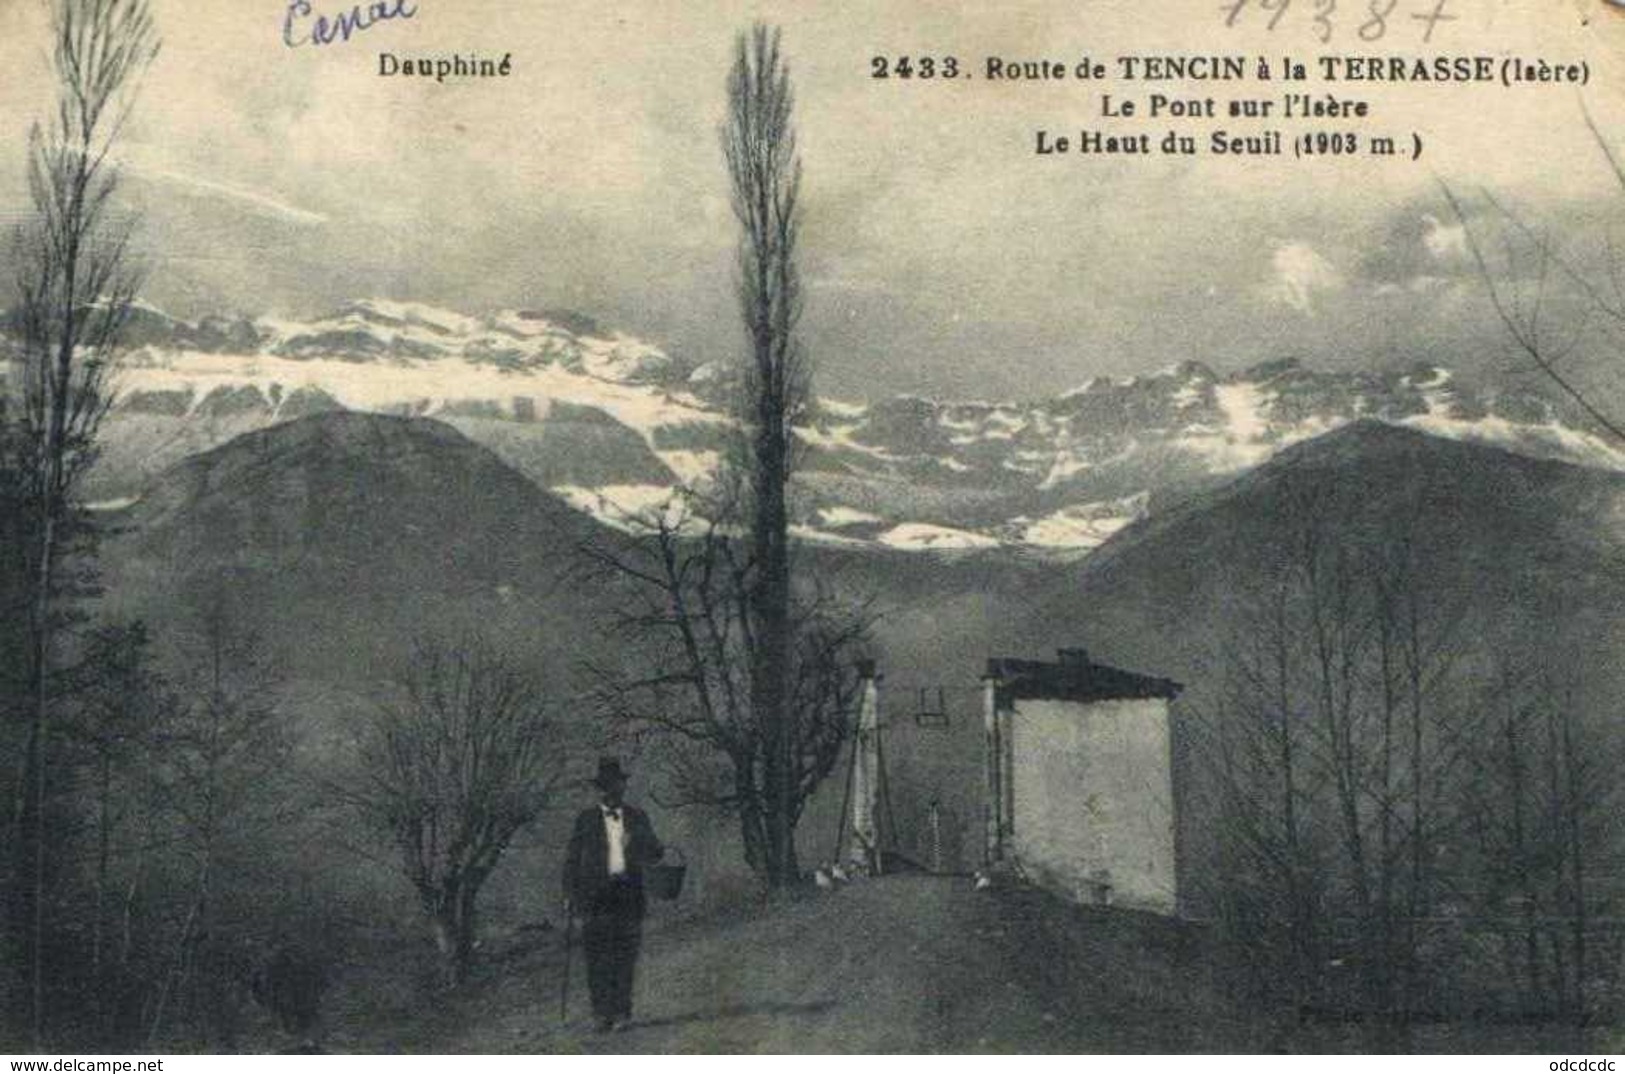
759,142
74,289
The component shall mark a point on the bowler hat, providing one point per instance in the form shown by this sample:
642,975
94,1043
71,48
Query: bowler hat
609,771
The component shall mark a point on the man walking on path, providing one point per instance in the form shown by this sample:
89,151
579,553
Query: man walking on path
610,845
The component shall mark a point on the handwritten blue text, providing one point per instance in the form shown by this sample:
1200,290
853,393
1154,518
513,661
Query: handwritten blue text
302,27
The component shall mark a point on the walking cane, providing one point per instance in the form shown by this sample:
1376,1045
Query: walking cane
564,985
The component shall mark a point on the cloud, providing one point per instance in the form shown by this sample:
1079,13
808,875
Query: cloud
1415,251
1416,285
1299,274
253,199
1446,242
850,283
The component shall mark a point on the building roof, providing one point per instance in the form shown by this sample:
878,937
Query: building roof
1072,677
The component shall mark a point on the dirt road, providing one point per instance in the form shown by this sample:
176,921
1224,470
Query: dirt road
901,964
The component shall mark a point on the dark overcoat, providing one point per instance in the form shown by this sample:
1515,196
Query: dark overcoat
587,882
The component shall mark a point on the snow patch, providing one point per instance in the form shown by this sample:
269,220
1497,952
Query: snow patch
841,408
1243,438
1243,408
845,516
693,468
632,508
1083,525
416,313
1550,437
1433,378
429,388
839,438
1186,396
1066,464
922,536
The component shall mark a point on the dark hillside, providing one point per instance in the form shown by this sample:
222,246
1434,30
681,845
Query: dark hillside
341,536
1526,550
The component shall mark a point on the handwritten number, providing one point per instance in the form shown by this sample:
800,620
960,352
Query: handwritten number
1323,19
1433,18
1430,13
1277,6
1377,25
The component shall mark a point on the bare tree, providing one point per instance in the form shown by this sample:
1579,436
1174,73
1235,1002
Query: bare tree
1337,752
176,798
764,169
221,763
1543,808
1526,270
1257,750
74,292
121,702
682,583
452,771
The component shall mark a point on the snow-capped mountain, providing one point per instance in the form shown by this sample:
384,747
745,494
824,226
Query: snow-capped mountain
615,424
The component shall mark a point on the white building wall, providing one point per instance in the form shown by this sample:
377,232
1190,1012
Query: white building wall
1092,791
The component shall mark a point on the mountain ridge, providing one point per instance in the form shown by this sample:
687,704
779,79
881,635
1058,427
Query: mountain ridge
613,424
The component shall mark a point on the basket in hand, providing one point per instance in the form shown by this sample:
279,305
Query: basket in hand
665,881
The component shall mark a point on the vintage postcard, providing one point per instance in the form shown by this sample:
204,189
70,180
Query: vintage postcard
535,526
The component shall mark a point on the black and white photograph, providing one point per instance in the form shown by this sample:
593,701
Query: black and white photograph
545,527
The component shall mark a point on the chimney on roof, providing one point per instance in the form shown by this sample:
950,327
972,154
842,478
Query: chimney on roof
1073,658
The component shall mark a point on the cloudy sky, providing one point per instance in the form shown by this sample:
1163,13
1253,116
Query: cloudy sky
941,253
